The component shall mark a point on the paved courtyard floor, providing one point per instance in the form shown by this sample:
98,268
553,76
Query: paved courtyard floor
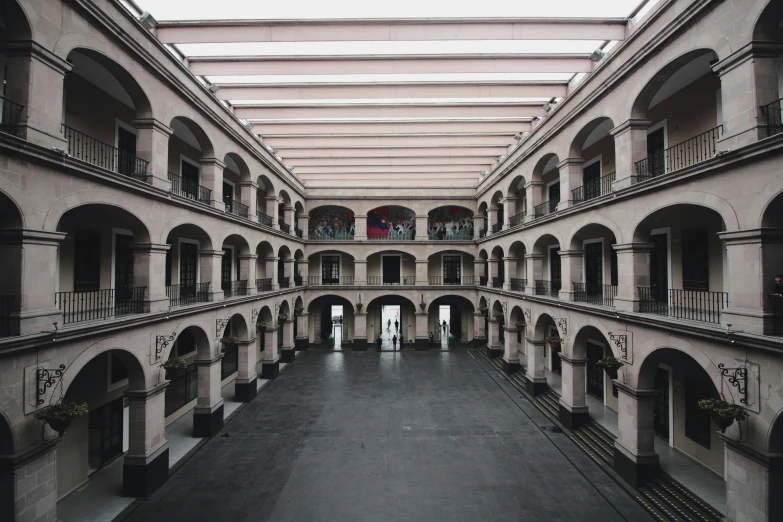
362,436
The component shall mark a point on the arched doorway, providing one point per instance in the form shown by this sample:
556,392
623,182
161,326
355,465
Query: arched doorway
457,314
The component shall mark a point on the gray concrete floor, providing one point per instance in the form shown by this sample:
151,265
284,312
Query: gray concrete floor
358,436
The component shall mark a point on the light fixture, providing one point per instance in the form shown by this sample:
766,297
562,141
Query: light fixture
547,106
597,55
290,168
499,158
147,20
518,136
213,88
248,124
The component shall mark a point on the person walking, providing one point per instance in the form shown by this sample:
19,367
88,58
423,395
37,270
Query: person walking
379,342
396,325
432,339
388,326
444,326
394,342
401,342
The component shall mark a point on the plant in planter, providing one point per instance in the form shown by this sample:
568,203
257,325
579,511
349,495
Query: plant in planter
359,306
722,412
298,310
59,416
483,309
520,325
498,316
610,365
174,364
229,343
283,317
554,342
262,326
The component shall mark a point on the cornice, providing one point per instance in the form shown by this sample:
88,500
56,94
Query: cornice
30,47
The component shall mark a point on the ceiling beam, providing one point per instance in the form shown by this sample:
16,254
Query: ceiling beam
381,91
388,64
336,128
392,153
367,169
386,112
480,161
400,30
285,143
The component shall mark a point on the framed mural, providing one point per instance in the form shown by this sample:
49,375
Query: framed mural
449,223
331,222
391,222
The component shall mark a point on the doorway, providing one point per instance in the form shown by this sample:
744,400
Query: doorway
105,434
662,410
444,325
336,318
595,375
391,326
391,269
659,268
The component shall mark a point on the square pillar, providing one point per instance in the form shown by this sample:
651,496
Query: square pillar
534,194
535,352
210,262
479,335
208,414
635,459
245,385
422,341
492,217
535,269
630,146
247,266
272,210
511,210
302,341
510,269
571,272
422,275
149,270
422,224
510,352
146,464
478,270
492,270
753,481
212,178
360,272
287,354
152,145
271,270
570,178
493,338
303,224
28,483
478,225
360,226
633,271
360,331
573,408
270,365
248,191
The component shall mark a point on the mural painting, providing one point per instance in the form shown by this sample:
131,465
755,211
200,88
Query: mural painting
448,223
331,222
391,222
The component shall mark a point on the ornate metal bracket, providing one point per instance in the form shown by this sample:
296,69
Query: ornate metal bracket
562,325
621,341
46,379
161,342
737,377
528,317
220,325
254,315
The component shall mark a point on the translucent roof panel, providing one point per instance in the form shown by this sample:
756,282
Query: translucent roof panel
370,78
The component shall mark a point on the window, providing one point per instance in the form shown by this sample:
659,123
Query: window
225,269
188,262
189,179
86,260
695,263
553,191
451,269
104,439
555,274
330,269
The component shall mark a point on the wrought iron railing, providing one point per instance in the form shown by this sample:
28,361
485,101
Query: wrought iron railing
774,117
189,189
516,220
518,285
545,208
497,282
547,288
330,235
593,189
88,305
181,295
285,227
482,281
392,235
689,152
298,233
602,295
497,227
284,282
264,220
264,284
7,303
450,235
95,152
234,288
10,115
483,233
695,305
439,280
340,280
378,280
237,208
298,280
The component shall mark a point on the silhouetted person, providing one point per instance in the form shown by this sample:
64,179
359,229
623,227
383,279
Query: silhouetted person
445,326
394,342
396,325
432,339
401,342
379,342
388,327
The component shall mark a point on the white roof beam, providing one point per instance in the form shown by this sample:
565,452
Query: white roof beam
376,128
389,111
400,161
391,153
285,143
367,169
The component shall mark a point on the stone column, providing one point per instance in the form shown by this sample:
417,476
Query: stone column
571,272
511,210
360,226
271,270
288,217
478,225
28,483
479,335
510,270
510,352
28,262
302,271
208,414
573,407
247,266
248,191
635,459
209,264
146,464
753,479
303,223
630,146
270,366
287,354
748,81
492,217
478,270
422,277
212,178
422,341
535,270
535,352
302,341
421,228
492,270
534,194
288,269
152,145
493,338
149,270
360,272
245,385
633,271
272,210
570,178
360,340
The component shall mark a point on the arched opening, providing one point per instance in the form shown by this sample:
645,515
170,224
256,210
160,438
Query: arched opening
331,316
498,268
234,174
450,223
772,255
265,325
546,330
192,343
483,323
517,270
516,191
235,266
496,207
236,330
284,267
483,215
265,267
183,266
546,198
97,268
483,276
10,267
392,318
679,138
15,74
101,101
450,268
517,320
450,321
285,212
391,222
189,150
331,267
601,392
546,266
597,281
391,267
298,258
686,263
769,29
298,212
331,222
284,337
593,148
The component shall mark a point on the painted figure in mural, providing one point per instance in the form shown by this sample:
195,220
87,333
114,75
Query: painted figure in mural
391,223
331,222
446,223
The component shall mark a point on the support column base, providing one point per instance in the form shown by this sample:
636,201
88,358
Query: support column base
207,423
270,370
245,391
421,345
141,478
495,352
287,356
635,472
360,343
302,344
536,387
478,341
574,418
510,367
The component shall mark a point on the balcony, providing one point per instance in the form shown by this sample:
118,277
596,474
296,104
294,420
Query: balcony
298,233
298,281
690,152
284,282
236,288
482,281
188,189
95,152
547,288
341,280
544,209
601,295
183,295
593,189
285,227
264,220
497,227
450,235
6,305
517,220
10,115
264,285
497,282
236,208
438,280
694,305
88,305
483,233
378,281
518,285
773,116
392,236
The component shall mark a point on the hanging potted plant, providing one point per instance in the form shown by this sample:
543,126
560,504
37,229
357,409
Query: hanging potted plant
172,365
298,310
359,306
261,326
498,316
610,365
520,325
554,342
59,416
282,317
723,413
229,343
483,309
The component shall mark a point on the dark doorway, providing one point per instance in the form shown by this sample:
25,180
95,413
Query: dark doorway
189,179
659,268
451,270
126,145
595,375
330,269
228,196
225,270
655,153
188,263
695,263
392,266
662,403
86,260
555,274
123,268
105,434
591,179
594,268
554,196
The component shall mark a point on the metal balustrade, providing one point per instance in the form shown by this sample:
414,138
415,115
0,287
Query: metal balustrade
89,305
772,113
547,288
10,115
695,305
593,189
451,235
285,227
689,152
439,280
482,280
516,220
181,295
497,282
236,208
189,189
518,285
602,295
392,235
264,220
545,208
95,152
7,303
341,280
264,284
284,282
234,288
378,281
497,227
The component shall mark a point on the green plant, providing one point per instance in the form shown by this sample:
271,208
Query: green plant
298,310
59,416
175,363
723,413
229,340
609,362
498,315
483,309
261,326
422,306
553,339
520,324
283,317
